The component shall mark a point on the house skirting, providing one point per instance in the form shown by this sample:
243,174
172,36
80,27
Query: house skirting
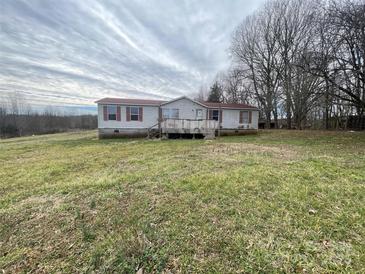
143,132
237,131
122,132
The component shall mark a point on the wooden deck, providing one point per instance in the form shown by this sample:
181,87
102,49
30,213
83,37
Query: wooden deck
203,127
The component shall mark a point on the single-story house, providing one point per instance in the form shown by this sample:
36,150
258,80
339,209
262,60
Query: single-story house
137,117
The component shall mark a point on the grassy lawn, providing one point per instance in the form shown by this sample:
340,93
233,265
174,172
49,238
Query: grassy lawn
280,201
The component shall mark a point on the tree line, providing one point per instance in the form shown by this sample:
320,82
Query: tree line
301,62
18,119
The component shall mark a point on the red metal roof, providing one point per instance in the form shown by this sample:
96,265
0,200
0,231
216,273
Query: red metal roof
124,101
226,105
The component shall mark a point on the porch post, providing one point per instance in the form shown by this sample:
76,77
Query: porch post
159,120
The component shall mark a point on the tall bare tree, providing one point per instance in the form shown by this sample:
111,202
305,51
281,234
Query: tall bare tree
235,87
295,19
343,67
255,49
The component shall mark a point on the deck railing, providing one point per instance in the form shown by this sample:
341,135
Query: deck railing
189,126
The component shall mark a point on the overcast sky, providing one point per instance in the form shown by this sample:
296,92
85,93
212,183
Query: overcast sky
73,52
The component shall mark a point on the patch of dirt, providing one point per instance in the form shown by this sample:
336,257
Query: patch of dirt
48,200
280,152
130,165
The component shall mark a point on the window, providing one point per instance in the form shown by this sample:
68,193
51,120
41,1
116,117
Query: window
135,113
112,112
215,114
199,114
165,113
244,117
170,113
174,113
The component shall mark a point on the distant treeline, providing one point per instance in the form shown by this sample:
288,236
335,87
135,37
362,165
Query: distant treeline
14,125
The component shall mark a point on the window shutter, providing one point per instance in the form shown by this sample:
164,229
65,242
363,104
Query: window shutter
241,117
210,114
118,113
159,114
105,113
250,117
140,116
220,116
128,114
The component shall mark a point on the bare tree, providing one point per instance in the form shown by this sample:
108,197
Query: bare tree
255,49
305,91
343,67
233,87
17,106
302,60
295,20
202,93
3,114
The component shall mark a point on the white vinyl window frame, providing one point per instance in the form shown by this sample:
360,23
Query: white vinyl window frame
112,112
245,117
134,113
215,114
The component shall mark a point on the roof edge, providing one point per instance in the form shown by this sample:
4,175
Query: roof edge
119,101
223,107
151,102
184,97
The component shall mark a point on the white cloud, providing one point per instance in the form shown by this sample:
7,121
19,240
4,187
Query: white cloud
73,52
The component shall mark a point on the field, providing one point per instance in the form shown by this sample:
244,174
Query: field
280,201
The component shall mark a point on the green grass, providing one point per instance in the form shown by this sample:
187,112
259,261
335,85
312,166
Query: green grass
279,201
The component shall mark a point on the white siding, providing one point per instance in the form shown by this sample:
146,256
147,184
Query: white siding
150,117
231,119
255,119
187,108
